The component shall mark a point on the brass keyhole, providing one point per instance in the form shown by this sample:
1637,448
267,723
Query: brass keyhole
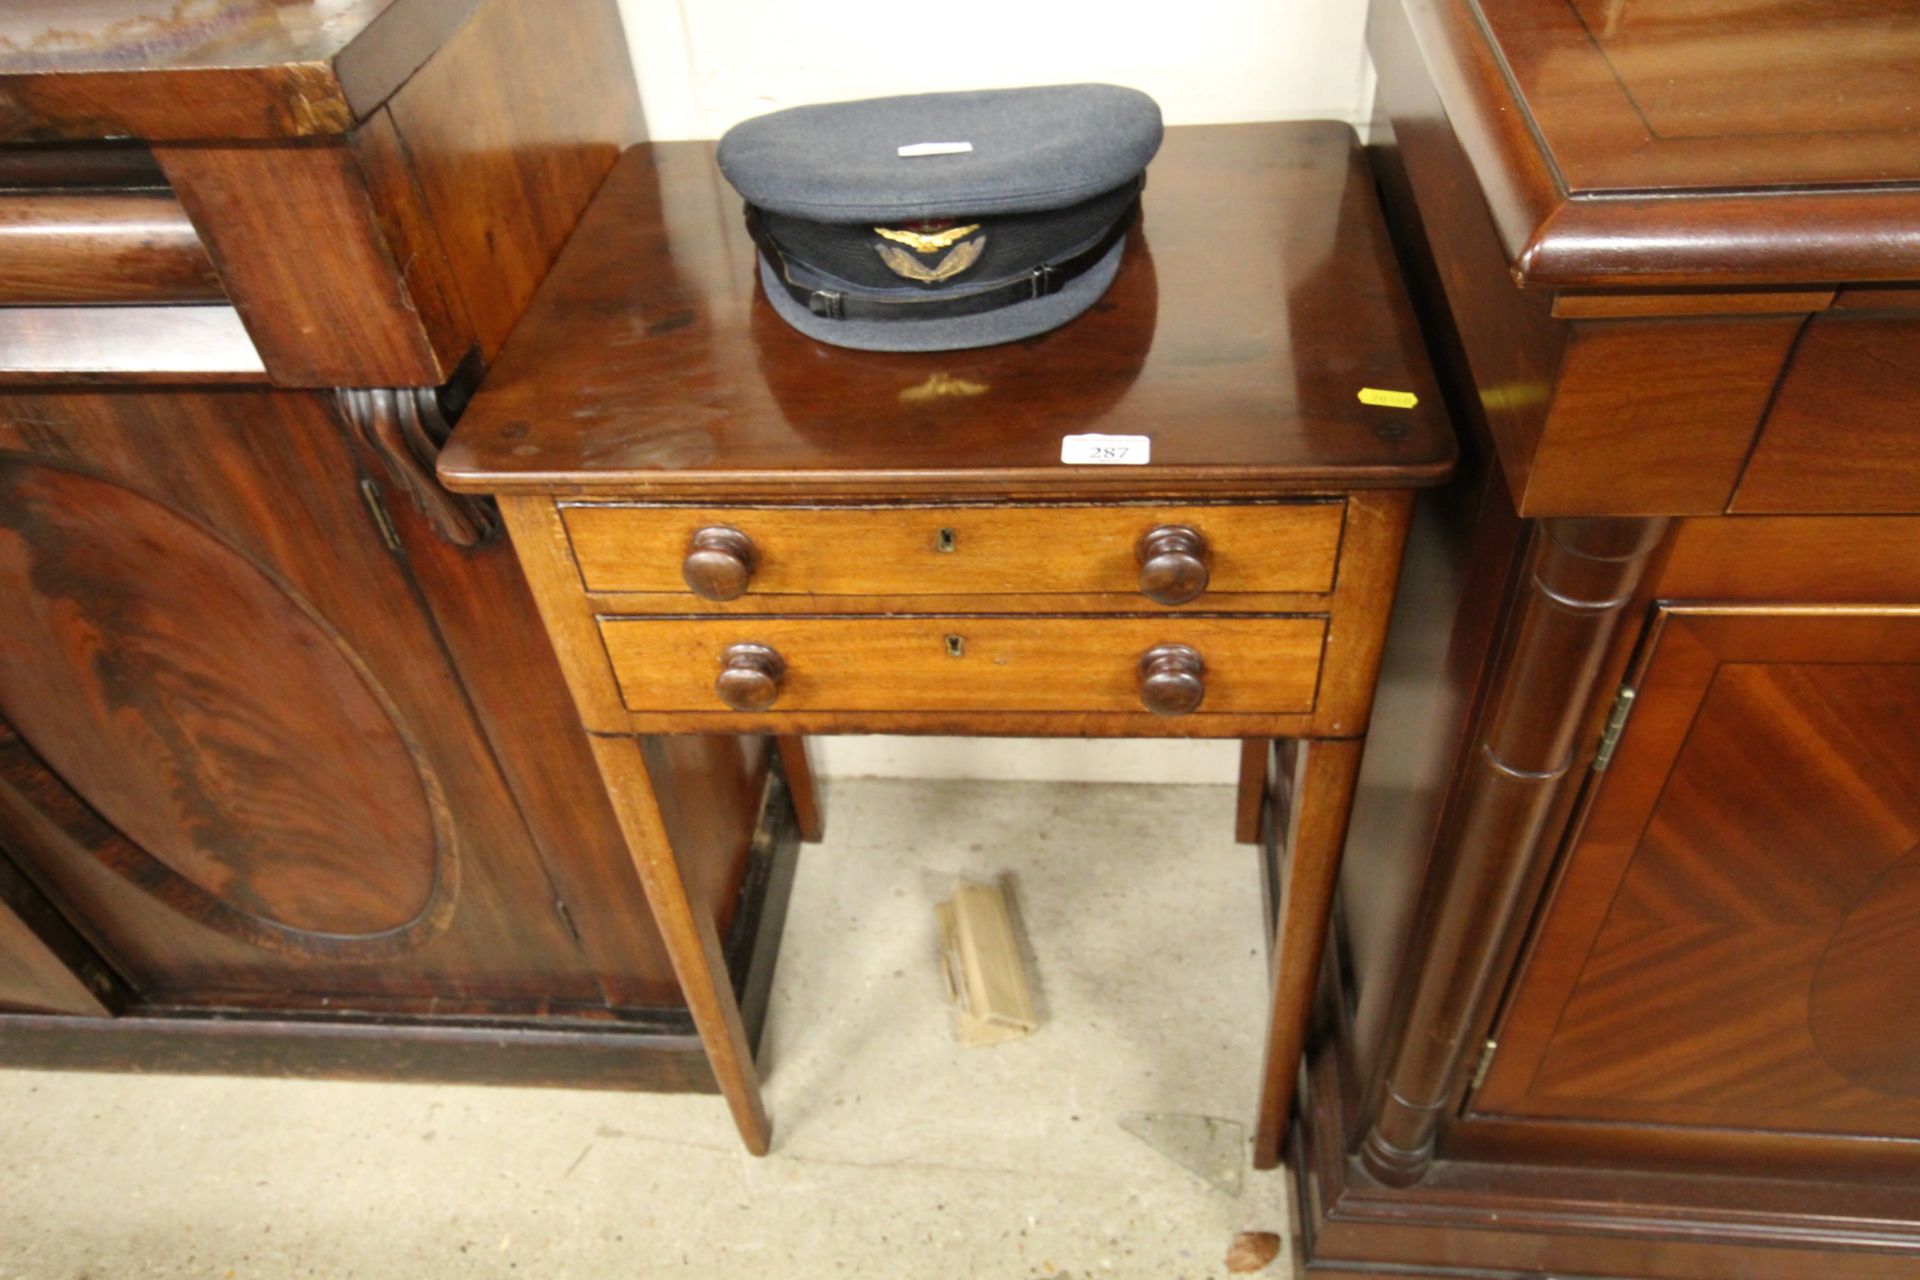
956,646
945,542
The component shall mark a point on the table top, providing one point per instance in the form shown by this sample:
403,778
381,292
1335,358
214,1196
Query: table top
1258,297
1685,143
208,69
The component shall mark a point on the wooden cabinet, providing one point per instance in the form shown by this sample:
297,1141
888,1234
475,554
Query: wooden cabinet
235,749
289,775
1623,982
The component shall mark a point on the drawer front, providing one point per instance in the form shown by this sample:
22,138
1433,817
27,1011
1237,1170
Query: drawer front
1252,665
928,551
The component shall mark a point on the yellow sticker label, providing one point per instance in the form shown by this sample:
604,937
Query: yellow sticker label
1388,399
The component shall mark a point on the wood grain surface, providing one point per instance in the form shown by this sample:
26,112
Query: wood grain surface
1249,313
1655,417
1321,803
120,165
778,489
1526,1218
506,148
1801,175
484,611
274,744
935,550
1580,579
186,752
1663,250
341,312
1840,434
253,69
1840,559
423,230
121,247
160,345
1726,951
45,967
1044,664
258,734
1629,97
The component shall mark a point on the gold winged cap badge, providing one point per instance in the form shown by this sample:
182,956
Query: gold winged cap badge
921,242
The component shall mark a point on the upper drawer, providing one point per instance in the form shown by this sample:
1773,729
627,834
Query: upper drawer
1273,548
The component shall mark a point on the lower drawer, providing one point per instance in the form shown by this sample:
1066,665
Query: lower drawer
1247,665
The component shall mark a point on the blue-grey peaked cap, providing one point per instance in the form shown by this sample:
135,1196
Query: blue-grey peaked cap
1032,150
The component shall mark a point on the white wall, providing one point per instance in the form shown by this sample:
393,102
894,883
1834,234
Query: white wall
703,65
1073,759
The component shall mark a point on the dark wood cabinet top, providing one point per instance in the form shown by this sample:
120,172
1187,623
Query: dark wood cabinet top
208,69
1688,142
1258,297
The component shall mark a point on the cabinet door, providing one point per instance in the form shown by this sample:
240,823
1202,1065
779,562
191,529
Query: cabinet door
232,748
1735,939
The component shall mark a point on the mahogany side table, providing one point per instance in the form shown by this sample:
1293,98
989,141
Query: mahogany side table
731,528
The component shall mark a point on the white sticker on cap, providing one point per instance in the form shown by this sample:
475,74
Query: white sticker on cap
1106,451
935,149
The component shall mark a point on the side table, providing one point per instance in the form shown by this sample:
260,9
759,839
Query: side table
731,528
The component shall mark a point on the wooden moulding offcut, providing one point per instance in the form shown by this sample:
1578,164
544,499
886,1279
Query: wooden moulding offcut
984,974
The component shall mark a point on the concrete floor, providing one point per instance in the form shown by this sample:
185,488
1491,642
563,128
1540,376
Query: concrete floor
897,1152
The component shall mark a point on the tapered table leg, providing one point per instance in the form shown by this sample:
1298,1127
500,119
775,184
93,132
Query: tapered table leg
1316,833
802,787
693,941
1252,796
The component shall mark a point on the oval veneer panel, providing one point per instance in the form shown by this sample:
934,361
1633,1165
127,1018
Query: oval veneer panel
210,715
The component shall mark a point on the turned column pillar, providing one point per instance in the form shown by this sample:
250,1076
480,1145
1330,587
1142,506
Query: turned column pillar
1527,747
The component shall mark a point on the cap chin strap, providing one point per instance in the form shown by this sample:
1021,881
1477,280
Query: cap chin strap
835,304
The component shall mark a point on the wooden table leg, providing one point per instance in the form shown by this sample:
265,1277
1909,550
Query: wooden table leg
1316,833
1252,796
800,785
693,941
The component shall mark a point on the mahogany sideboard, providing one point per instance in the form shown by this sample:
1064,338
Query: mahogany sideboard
1626,978
289,776
732,527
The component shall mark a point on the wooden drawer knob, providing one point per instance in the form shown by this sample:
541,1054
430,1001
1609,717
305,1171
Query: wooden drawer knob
720,562
749,677
1170,680
1173,564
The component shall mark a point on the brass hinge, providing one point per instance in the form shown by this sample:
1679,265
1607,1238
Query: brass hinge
1616,725
377,508
1482,1067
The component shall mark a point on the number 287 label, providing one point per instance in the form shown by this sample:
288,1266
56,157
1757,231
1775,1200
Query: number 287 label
1106,451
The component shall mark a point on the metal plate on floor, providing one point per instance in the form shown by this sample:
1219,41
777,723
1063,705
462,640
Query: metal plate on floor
1208,1147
